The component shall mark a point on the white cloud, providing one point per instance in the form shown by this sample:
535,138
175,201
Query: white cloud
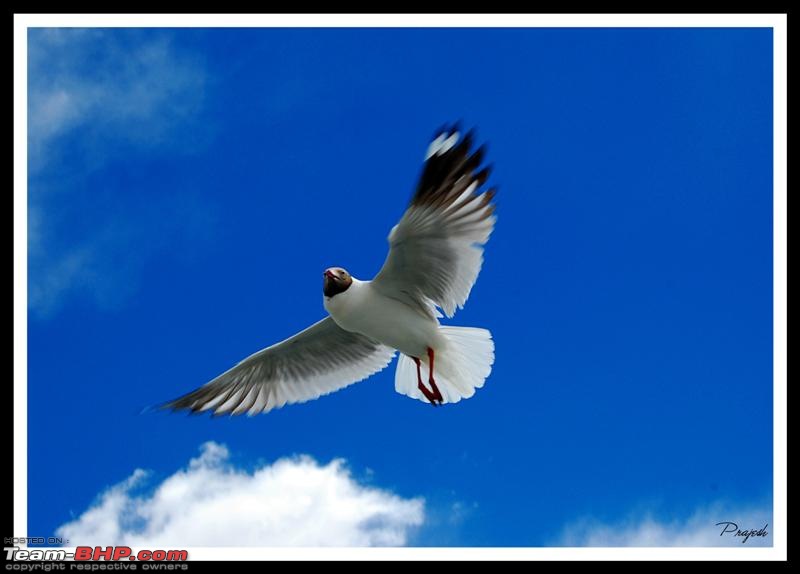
292,502
699,529
98,98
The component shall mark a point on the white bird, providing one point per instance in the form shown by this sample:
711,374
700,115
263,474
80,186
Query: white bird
434,258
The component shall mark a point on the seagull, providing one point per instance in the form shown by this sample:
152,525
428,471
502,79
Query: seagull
435,255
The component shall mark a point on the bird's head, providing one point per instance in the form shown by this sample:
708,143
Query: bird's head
336,280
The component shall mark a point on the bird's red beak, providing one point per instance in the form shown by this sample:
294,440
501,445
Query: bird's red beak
329,273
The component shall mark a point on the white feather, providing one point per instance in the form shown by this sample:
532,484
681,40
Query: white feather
460,366
435,145
448,143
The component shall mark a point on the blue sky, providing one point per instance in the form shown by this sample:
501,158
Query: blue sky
183,187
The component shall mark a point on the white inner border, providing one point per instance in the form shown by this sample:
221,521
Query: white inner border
775,21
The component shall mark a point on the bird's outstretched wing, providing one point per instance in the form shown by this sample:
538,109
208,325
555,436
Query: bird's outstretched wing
436,250
319,360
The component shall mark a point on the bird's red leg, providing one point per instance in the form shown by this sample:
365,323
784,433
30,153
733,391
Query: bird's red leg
428,395
436,394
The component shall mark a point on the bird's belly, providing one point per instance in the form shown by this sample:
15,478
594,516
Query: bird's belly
392,323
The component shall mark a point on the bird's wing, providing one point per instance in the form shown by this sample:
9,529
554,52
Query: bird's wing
436,249
319,360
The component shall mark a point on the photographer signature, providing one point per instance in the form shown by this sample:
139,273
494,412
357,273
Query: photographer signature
733,529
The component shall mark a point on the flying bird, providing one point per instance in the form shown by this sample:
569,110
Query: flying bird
435,255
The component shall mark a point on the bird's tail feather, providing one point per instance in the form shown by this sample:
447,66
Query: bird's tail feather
460,367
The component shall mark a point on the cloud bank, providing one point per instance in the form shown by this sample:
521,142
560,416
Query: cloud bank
699,529
291,502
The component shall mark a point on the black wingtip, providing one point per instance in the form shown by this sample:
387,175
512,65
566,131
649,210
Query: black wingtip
170,407
467,141
476,159
483,175
445,164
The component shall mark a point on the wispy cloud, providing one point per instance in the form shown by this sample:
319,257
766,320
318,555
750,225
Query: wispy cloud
292,502
699,529
119,86
100,98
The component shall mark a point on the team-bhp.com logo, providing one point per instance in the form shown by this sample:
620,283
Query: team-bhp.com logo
95,553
